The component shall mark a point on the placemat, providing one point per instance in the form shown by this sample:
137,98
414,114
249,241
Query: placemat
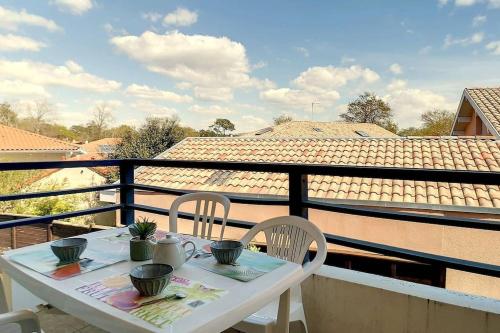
249,266
158,310
45,262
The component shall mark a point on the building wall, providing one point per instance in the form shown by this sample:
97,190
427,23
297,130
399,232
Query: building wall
342,301
470,244
32,157
476,127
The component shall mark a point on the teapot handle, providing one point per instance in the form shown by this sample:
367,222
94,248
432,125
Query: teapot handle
194,249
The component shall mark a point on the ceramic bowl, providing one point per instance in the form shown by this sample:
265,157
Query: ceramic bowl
68,250
151,279
227,251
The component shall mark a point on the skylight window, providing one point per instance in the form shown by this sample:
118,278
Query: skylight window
317,129
362,133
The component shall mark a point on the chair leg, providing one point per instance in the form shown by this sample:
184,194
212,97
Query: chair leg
283,320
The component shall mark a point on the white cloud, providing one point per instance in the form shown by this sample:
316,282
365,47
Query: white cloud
181,17
396,85
221,94
151,16
494,3
347,60
10,43
250,123
465,3
197,61
408,104
73,66
425,50
11,20
110,104
299,99
441,3
259,65
15,88
75,7
153,110
47,74
472,39
215,110
494,47
146,92
303,51
396,69
329,77
112,31
478,20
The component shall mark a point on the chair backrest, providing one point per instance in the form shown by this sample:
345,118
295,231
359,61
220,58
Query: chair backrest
4,307
289,238
206,203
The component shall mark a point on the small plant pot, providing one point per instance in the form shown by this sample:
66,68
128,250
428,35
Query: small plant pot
140,249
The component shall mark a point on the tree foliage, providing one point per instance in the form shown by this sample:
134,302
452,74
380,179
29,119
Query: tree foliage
282,119
222,126
7,115
151,139
434,123
368,108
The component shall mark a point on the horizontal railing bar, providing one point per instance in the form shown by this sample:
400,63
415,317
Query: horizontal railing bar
32,195
462,222
448,262
217,220
233,198
50,218
433,175
12,166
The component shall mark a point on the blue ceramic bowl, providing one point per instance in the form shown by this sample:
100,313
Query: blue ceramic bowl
226,252
68,250
151,279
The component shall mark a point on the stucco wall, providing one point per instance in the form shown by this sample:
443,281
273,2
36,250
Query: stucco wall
35,157
338,300
471,244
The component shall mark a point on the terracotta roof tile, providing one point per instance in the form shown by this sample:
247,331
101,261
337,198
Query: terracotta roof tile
319,129
453,153
14,139
488,101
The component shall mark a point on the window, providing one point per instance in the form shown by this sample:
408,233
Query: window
362,133
317,129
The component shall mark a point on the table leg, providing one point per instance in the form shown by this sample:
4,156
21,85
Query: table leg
283,320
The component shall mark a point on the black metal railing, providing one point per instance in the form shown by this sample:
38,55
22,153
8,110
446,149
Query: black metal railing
298,201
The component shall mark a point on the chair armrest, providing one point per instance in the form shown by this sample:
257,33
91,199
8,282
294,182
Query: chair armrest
25,318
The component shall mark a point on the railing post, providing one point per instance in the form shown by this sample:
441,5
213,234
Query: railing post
297,194
126,192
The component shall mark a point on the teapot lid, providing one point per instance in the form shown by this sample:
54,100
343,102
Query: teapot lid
169,239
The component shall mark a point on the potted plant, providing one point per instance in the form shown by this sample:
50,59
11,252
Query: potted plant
142,244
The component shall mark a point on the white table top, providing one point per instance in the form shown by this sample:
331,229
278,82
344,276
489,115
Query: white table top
241,299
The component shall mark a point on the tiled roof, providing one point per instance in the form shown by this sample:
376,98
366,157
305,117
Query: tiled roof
452,153
319,129
97,146
488,101
14,139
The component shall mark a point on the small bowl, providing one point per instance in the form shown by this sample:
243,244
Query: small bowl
68,250
226,252
151,279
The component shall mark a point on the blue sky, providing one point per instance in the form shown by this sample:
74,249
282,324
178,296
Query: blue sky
247,61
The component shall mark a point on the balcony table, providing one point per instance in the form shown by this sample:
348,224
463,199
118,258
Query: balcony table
241,300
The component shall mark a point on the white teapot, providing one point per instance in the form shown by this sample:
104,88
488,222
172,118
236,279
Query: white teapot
170,251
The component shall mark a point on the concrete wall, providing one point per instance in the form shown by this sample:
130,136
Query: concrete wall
33,157
470,244
339,300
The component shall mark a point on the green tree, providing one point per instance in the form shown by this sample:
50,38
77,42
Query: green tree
434,123
151,139
222,126
7,115
282,119
368,108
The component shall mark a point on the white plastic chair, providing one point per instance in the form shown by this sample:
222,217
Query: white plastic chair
209,202
287,238
22,321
